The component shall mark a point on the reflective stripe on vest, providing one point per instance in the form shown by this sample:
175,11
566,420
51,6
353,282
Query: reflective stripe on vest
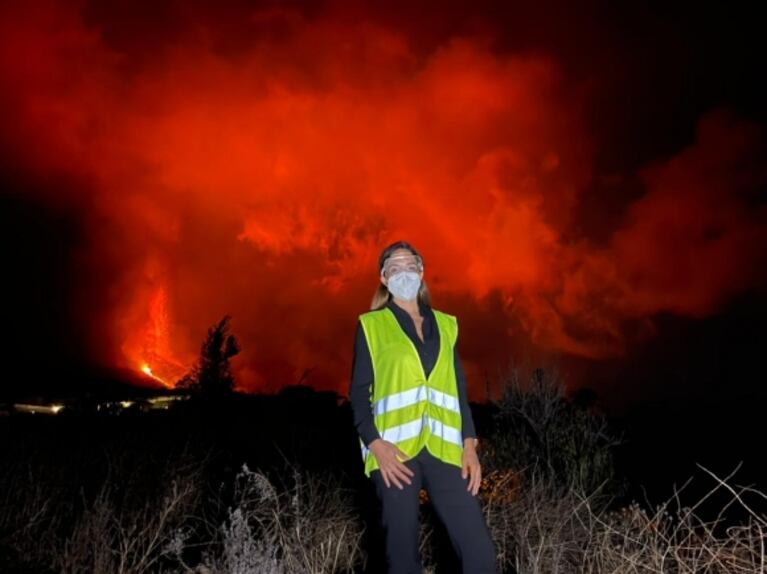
411,410
413,396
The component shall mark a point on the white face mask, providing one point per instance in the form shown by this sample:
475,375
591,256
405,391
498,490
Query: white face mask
404,285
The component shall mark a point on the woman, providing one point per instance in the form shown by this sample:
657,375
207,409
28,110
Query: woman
408,396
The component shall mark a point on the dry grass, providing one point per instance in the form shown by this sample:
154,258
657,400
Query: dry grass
309,526
109,537
545,528
673,537
122,527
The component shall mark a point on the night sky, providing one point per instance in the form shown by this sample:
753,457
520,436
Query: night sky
586,185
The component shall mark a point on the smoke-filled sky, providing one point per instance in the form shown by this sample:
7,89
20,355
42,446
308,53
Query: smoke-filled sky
586,185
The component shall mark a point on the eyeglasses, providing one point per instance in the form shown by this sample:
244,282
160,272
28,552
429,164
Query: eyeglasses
401,263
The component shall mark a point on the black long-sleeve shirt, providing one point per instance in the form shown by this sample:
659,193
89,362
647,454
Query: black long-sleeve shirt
428,349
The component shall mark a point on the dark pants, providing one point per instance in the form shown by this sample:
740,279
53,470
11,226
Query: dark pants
456,507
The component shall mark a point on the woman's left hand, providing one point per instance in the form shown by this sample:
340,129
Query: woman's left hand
470,466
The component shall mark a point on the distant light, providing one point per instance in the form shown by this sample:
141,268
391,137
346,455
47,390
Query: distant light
42,409
126,404
166,398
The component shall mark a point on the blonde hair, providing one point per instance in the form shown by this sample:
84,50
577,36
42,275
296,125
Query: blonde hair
382,296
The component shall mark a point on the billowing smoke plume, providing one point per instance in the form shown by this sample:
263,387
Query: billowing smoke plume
256,163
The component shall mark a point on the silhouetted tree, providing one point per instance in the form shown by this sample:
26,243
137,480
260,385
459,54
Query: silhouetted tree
212,377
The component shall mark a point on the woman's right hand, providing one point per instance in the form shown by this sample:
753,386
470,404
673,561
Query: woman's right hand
392,470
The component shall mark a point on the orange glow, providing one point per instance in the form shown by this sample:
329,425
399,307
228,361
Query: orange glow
147,370
148,340
260,175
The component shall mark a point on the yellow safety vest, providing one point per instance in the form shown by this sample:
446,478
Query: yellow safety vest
409,409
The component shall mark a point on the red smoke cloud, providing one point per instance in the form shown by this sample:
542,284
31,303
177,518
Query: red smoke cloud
259,174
